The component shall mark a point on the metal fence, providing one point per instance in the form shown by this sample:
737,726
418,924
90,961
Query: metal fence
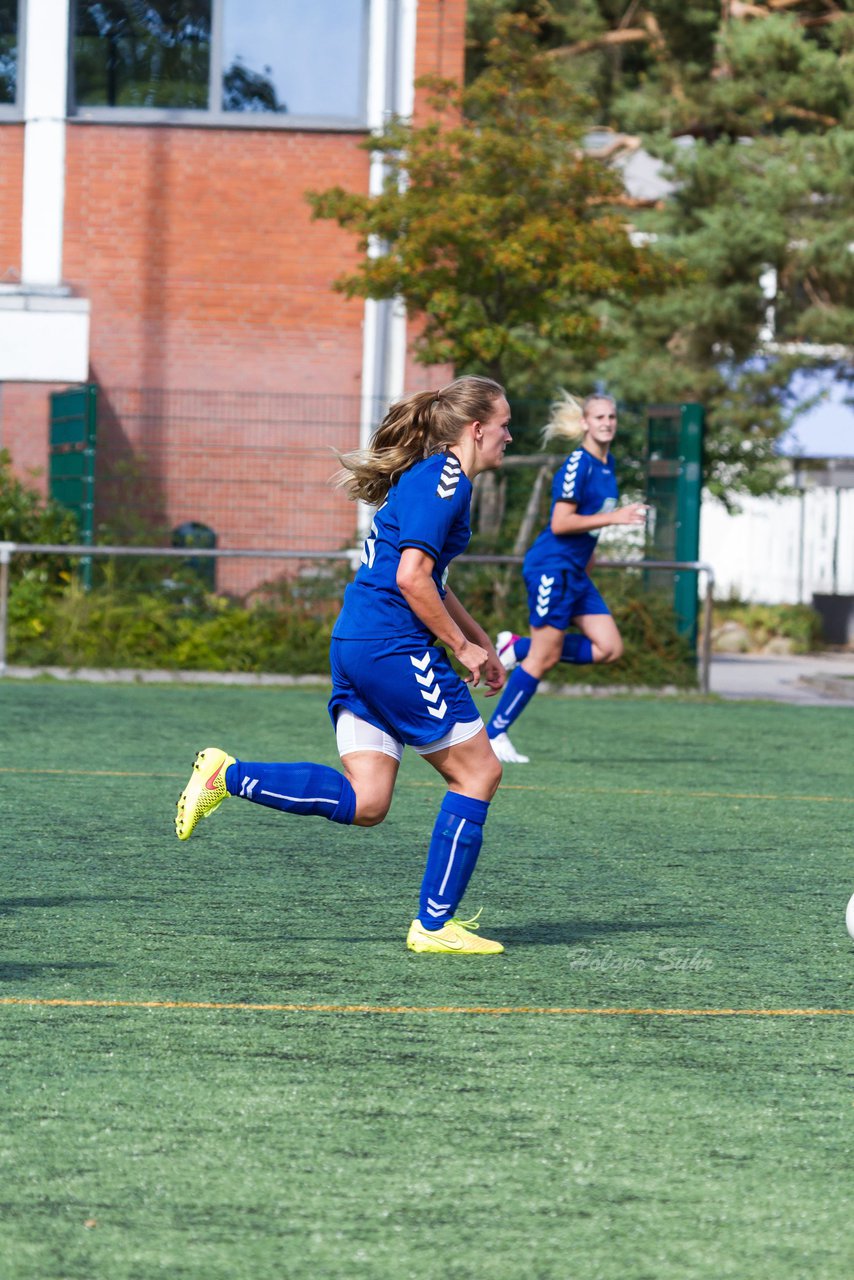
8,550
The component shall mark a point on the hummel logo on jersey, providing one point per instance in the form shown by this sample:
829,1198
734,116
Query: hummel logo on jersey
450,477
544,592
431,690
571,474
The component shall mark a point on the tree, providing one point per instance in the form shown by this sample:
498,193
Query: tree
501,234
25,516
750,107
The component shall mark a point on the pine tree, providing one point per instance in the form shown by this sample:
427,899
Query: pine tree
750,107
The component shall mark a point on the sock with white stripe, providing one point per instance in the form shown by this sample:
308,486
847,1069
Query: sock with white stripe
518,692
454,846
304,788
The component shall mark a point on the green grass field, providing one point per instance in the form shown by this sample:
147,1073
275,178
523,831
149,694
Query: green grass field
220,1062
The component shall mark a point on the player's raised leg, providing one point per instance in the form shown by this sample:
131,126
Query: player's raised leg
301,788
603,635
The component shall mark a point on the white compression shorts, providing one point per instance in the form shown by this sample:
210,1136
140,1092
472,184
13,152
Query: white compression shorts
355,734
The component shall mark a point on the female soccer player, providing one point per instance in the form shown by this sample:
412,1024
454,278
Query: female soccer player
392,681
560,593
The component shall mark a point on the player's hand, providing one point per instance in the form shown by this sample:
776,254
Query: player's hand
494,674
632,513
472,656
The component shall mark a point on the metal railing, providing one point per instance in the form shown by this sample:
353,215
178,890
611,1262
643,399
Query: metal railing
10,549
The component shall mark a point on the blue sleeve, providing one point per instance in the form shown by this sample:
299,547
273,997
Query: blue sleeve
570,482
431,502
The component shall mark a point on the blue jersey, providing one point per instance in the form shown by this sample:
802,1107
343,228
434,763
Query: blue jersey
592,486
427,508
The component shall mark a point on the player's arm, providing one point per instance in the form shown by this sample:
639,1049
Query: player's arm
565,517
494,672
416,585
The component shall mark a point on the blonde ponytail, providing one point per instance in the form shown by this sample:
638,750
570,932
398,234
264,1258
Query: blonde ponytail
567,421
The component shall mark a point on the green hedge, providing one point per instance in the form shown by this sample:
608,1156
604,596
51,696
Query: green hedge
286,628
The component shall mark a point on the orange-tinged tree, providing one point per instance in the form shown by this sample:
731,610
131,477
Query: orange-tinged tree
505,239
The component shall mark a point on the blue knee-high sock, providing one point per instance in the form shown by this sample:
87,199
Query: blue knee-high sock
576,648
518,692
454,846
296,788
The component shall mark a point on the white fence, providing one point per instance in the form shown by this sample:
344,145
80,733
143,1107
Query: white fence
781,550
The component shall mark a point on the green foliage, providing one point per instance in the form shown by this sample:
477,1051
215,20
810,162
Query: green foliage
498,229
25,516
286,629
752,114
799,624
108,628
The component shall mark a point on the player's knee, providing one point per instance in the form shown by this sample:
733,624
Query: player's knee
370,811
493,773
610,652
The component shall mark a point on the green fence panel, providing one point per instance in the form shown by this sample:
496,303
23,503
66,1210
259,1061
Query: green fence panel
73,429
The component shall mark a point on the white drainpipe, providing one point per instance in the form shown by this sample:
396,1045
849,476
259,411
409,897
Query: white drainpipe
391,63
45,105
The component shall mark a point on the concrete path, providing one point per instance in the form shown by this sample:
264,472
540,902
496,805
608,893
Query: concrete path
814,680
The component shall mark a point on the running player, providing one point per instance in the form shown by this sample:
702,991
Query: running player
560,592
392,681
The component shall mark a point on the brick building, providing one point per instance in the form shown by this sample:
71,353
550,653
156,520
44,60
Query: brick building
155,241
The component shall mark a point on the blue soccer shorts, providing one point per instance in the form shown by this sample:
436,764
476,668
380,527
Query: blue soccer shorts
413,694
556,596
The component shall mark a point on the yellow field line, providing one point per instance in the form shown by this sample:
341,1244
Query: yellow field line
495,1010
669,793
95,773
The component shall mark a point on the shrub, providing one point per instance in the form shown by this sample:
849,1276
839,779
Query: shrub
799,624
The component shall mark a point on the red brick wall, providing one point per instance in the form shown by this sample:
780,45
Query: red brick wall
197,249
440,50
11,191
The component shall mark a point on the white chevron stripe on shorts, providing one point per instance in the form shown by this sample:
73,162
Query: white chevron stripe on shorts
431,690
544,592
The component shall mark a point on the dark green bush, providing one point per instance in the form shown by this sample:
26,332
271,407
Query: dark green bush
102,628
286,626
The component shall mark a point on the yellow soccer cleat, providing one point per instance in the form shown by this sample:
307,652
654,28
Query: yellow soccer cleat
204,792
454,938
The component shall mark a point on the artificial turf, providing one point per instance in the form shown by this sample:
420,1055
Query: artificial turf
658,855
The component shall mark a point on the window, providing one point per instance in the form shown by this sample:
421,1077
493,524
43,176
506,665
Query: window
289,56
131,54
249,61
8,52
